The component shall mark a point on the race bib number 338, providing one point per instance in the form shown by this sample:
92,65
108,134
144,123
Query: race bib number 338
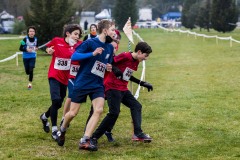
98,69
62,63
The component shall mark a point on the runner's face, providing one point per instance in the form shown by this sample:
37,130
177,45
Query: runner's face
142,56
75,35
93,29
31,33
111,31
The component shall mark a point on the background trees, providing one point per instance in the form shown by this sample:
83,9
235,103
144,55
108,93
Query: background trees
226,13
204,17
189,13
14,7
221,15
49,17
195,13
124,9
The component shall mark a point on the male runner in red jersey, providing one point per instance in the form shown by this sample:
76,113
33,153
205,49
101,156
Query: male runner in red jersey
117,92
61,50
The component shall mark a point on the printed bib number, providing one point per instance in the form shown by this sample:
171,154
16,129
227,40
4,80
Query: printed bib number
74,69
62,63
98,69
127,74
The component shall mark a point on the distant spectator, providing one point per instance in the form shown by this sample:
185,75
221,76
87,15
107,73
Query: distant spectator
85,25
93,32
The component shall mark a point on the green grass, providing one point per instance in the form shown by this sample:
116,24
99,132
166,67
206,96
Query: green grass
192,113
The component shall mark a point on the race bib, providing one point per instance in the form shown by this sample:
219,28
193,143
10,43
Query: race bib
33,48
98,69
62,63
74,69
127,74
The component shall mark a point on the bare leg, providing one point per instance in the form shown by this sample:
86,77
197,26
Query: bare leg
66,106
74,108
98,104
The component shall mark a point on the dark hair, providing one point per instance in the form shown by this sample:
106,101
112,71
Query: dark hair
104,24
143,47
31,27
93,25
70,28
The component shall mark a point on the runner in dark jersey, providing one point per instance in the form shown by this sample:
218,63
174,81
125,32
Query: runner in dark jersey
95,56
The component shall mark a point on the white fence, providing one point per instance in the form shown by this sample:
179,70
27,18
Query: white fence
230,39
16,55
12,57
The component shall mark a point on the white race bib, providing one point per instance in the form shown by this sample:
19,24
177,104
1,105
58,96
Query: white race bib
62,63
99,69
33,48
127,74
74,69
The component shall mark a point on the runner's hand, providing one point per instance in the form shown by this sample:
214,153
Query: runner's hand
147,85
97,51
50,50
117,72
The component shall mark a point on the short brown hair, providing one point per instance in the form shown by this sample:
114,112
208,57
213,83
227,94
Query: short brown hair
104,24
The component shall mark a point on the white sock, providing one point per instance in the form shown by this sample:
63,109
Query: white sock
63,129
44,116
85,138
54,128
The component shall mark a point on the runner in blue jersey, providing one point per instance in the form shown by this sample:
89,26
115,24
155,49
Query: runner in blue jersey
95,56
29,47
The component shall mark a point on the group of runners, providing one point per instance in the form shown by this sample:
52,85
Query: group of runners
91,69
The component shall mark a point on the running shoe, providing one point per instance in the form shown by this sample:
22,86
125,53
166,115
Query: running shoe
45,124
60,138
142,137
94,141
109,136
54,135
29,86
87,145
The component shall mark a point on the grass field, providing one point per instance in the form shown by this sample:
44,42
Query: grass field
192,113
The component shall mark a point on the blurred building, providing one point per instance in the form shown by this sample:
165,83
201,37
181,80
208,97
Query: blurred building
172,16
6,22
87,16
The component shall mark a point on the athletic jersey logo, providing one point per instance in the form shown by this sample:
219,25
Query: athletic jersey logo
98,69
107,56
